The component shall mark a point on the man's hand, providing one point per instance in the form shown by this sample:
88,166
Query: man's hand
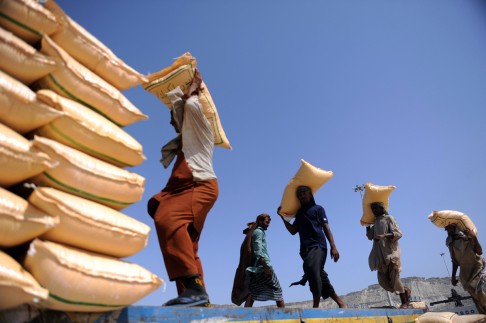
379,237
469,233
334,254
195,86
267,271
454,281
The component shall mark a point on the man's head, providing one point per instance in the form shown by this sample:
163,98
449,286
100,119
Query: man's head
263,220
304,194
450,228
378,208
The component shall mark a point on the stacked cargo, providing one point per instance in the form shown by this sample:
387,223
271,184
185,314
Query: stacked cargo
61,119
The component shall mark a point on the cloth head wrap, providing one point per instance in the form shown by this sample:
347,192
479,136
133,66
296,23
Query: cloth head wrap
303,188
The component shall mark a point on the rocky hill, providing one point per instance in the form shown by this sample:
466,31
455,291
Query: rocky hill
426,290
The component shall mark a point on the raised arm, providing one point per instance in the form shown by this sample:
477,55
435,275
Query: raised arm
290,227
476,245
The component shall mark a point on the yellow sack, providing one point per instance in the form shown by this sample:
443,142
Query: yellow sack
307,175
23,61
82,281
446,217
89,132
75,81
27,19
449,317
374,193
92,53
17,286
89,225
88,177
19,107
20,221
180,74
18,160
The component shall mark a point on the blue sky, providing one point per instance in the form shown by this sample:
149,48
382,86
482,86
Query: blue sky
390,92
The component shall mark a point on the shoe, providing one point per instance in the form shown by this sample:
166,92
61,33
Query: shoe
194,295
189,301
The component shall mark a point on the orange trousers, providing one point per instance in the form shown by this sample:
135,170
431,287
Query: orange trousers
179,221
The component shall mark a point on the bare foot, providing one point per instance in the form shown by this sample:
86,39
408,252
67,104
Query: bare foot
408,292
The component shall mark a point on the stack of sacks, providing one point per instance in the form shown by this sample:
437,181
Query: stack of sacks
374,193
307,175
75,155
180,74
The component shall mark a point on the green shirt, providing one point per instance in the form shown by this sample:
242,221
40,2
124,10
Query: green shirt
259,250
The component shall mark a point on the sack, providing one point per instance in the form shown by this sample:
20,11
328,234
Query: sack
23,61
27,19
19,107
446,217
88,177
449,317
307,175
180,74
90,226
374,193
75,81
89,132
20,221
17,286
92,53
18,160
82,281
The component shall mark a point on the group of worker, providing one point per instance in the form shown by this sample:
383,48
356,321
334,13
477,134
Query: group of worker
179,211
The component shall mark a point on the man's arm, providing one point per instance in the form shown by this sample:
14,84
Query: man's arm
330,238
476,245
454,272
370,232
290,228
395,233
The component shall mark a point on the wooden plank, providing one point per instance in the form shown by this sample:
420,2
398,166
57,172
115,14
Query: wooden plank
213,314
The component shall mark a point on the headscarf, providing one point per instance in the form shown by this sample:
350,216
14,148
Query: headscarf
456,235
380,204
303,188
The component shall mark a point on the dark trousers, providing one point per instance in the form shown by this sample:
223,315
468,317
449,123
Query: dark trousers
314,260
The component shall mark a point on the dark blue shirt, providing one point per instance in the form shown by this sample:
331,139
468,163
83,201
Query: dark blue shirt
309,221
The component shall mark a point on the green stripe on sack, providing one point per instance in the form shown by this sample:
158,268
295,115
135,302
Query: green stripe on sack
150,86
75,98
63,300
83,193
85,148
219,139
21,25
